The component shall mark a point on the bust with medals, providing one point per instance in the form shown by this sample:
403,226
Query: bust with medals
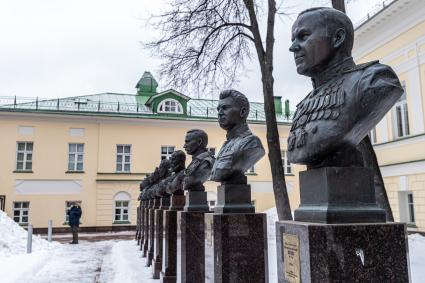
347,100
331,124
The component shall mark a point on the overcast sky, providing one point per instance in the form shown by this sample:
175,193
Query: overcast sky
58,48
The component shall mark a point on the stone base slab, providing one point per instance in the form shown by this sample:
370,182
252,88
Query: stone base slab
236,248
365,252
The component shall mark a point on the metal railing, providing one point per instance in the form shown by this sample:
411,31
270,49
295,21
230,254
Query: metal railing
85,105
380,6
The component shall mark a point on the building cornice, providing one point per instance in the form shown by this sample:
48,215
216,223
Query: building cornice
401,15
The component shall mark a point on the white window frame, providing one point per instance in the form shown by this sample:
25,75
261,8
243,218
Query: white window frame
410,208
119,200
68,207
73,157
120,166
287,166
401,127
27,156
22,211
167,154
170,106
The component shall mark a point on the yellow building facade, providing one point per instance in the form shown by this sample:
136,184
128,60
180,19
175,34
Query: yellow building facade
96,149
395,35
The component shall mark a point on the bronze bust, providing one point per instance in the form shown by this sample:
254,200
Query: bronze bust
199,170
347,100
175,180
242,149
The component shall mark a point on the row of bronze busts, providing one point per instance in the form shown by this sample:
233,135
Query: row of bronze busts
171,177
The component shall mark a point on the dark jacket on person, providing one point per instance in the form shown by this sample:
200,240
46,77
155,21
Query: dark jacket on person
74,216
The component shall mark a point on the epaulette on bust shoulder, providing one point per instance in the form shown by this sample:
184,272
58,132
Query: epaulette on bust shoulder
361,66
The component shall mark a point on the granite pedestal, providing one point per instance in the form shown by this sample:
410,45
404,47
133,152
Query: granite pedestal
369,252
136,236
338,195
146,230
196,201
340,234
235,238
141,225
151,251
236,248
190,247
159,236
169,264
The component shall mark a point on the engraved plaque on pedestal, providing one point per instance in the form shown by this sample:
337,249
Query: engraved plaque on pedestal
291,258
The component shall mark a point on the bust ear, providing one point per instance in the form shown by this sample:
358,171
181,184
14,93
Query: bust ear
339,37
242,112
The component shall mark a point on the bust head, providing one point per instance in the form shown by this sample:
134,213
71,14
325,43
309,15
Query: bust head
196,141
233,109
164,168
178,160
321,37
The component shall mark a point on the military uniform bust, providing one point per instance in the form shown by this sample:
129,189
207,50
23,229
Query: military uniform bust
163,172
175,180
347,100
242,148
199,170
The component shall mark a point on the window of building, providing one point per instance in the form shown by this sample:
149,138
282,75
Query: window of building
122,207
411,208
167,151
372,136
287,166
2,202
24,156
75,156
211,204
170,106
68,205
20,211
401,116
123,158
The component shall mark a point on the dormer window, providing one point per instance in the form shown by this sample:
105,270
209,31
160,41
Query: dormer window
170,106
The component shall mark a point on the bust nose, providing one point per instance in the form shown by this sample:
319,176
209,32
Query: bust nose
294,47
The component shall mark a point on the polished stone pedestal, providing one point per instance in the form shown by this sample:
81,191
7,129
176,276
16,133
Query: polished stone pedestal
196,201
190,247
236,248
365,252
137,236
234,198
159,235
152,228
169,253
338,195
145,245
141,225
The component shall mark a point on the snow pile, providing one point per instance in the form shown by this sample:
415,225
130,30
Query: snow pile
13,238
417,257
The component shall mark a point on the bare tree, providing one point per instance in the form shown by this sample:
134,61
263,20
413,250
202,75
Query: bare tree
369,154
206,42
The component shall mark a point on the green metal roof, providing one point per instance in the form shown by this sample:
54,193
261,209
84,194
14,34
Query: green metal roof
124,105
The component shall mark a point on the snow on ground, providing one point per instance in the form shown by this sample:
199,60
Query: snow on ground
115,261
13,238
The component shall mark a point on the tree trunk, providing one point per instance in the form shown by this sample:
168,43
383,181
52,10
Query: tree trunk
265,58
339,5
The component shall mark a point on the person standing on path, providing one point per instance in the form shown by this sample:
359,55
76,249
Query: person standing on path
74,214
